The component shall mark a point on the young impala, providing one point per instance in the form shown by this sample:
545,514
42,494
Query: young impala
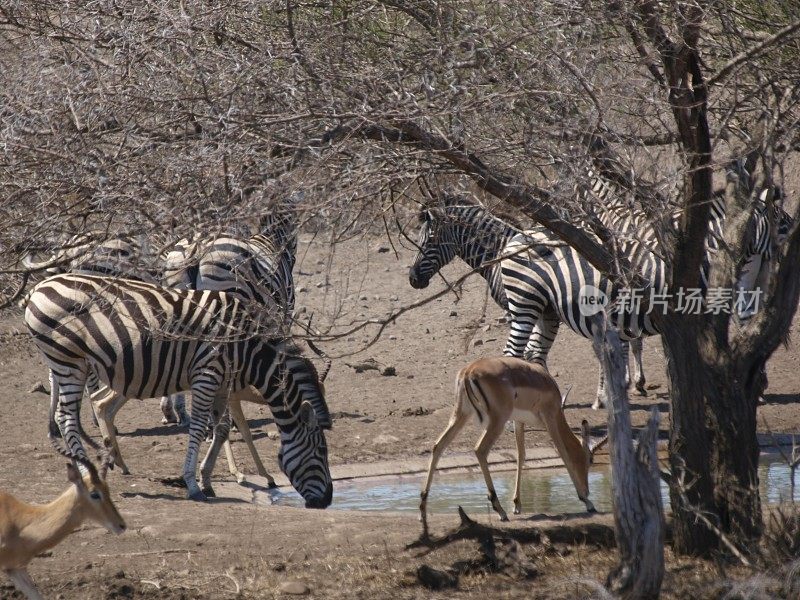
496,390
27,530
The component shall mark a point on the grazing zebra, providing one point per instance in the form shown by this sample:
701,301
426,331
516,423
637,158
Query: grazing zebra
462,228
257,269
116,256
143,340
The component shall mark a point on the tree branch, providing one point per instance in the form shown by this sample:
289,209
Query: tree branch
743,57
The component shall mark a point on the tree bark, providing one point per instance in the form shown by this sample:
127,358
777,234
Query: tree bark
638,511
691,487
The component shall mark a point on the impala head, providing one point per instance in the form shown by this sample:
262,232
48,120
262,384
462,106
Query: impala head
436,245
93,494
303,457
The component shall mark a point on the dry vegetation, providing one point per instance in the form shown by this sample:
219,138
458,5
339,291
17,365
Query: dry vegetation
159,120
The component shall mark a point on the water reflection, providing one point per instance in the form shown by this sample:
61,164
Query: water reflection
543,491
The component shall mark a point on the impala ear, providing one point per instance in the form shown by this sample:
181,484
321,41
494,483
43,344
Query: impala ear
307,414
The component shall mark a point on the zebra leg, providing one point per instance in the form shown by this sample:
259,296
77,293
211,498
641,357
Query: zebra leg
222,427
107,403
174,409
638,376
92,385
179,405
66,393
600,398
168,411
625,347
523,319
542,338
202,401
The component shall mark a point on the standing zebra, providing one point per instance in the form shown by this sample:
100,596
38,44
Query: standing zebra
467,230
542,274
256,269
82,254
143,340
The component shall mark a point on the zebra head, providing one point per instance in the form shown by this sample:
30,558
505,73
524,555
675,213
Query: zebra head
436,245
303,457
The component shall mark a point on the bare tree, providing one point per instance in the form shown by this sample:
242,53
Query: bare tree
164,119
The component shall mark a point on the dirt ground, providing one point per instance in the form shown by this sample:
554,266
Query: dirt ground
230,548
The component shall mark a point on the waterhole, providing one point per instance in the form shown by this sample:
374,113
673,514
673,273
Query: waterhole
543,491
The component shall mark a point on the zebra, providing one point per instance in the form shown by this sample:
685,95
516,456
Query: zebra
258,269
82,254
543,275
459,227
623,219
469,231
144,340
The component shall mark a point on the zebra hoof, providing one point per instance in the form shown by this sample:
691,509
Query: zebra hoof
271,485
209,492
198,496
641,389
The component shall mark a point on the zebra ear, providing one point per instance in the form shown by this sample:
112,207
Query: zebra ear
423,216
307,414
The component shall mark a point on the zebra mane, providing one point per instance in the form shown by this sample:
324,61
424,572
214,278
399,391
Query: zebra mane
295,358
453,200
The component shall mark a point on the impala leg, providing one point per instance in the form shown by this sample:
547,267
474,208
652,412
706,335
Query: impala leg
519,434
235,407
222,427
485,444
106,403
22,580
456,424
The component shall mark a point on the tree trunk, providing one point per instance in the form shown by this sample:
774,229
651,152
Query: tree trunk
638,511
732,396
713,442
691,488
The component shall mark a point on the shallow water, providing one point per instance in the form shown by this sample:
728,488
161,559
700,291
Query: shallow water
543,491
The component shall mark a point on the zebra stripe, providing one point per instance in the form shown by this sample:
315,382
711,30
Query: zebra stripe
467,230
257,269
143,340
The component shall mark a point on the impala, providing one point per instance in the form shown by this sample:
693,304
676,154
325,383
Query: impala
27,530
496,390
